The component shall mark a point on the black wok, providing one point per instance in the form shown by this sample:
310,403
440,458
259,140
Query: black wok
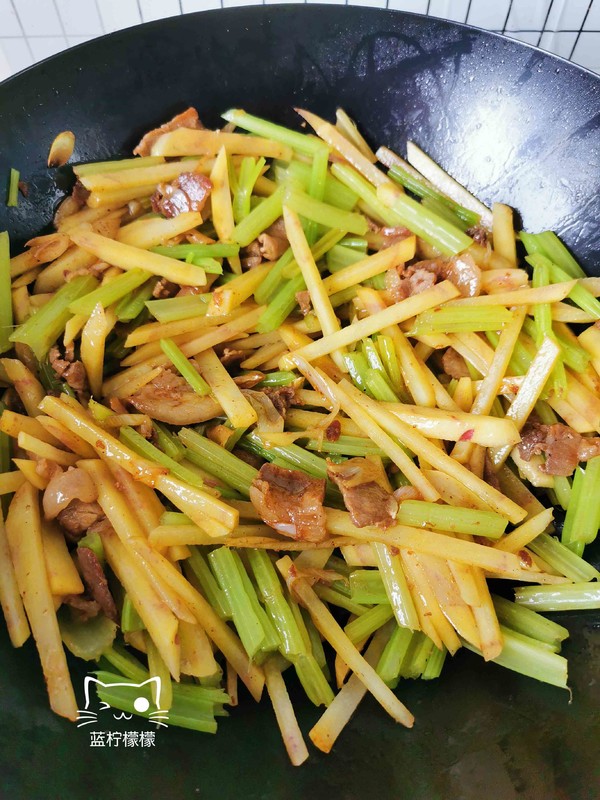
510,122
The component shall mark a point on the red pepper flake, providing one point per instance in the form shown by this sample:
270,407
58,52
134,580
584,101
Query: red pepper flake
394,550
525,559
332,432
467,435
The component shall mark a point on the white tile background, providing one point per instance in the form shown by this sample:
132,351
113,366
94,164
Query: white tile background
34,29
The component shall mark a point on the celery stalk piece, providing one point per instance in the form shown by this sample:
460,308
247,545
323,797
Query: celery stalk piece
358,367
270,284
346,446
12,196
389,358
130,619
183,366
278,378
443,211
271,591
6,314
250,171
394,653
523,620
248,625
168,442
338,299
435,664
175,518
272,640
421,514
424,189
564,597
129,308
336,194
313,680
217,461
109,293
146,449
258,219
542,313
309,463
582,518
42,329
281,306
578,294
524,655
125,663
379,387
448,319
341,256
407,668
364,626
316,192
390,568
316,643
418,657
324,214
185,712
300,142
329,595
208,584
176,308
561,558
367,587
548,244
196,251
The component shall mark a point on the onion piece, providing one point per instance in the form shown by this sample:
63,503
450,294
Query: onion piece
61,149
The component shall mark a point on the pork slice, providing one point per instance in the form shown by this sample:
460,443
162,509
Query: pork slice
187,119
365,489
95,580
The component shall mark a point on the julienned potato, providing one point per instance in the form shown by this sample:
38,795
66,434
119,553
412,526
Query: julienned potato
258,376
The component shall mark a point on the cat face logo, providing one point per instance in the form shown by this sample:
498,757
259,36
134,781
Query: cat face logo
146,701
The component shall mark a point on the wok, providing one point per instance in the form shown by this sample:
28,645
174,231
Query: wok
510,122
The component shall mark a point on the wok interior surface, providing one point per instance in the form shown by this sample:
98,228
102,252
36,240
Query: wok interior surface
512,124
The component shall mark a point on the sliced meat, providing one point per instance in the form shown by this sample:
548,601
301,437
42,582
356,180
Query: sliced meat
249,379
366,491
282,397
84,607
77,517
231,356
47,469
462,271
95,580
272,247
164,289
73,372
479,234
291,502
333,431
187,119
188,192
248,458
303,300
169,398
269,419
381,238
80,194
454,364
562,446
251,255
64,487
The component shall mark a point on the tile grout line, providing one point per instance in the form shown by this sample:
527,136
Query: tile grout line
576,42
27,42
543,30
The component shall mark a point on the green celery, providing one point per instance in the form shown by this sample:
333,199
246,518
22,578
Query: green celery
175,518
578,294
372,354
342,297
524,655
573,355
350,178
281,306
109,293
250,171
313,680
346,446
542,313
424,189
582,519
272,640
422,514
320,248
378,386
184,251
389,358
12,196
6,314
207,583
93,541
316,190
271,282
307,462
329,595
300,142
367,587
358,367
146,449
394,579
173,309
278,378
560,557
549,245
248,625
209,265
448,319
183,366
99,167
335,194
524,620
125,663
355,243
316,643
259,219
324,214
217,461
394,653
418,657
130,619
129,308
564,597
445,212
340,257
42,329
364,626
168,442
435,664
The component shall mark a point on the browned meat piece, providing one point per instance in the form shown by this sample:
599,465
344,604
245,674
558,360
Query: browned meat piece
454,364
381,238
83,606
333,431
188,192
462,271
250,379
73,372
478,234
23,188
187,119
164,288
230,356
303,300
117,405
146,428
169,398
95,580
65,487
291,502
282,397
365,490
80,194
77,517
251,255
272,247
562,446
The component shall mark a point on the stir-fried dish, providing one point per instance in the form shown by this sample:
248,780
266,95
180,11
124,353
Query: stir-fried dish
273,403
